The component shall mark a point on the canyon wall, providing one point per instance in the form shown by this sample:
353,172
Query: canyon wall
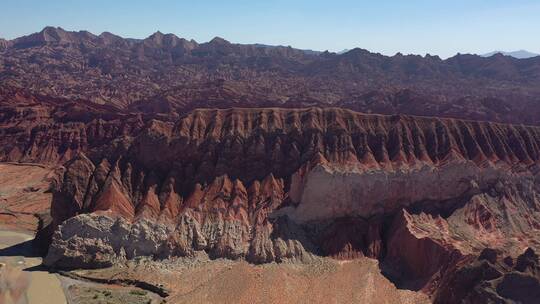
148,166
419,194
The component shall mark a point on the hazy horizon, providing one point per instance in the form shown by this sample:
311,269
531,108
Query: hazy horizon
417,27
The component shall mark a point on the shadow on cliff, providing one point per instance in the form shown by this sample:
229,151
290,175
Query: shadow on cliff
411,265
286,229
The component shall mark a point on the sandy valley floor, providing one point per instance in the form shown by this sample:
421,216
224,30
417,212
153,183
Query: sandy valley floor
21,280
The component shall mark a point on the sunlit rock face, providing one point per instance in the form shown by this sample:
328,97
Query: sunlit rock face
334,191
265,185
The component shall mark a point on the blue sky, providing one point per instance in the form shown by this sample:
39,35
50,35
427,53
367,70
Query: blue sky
409,26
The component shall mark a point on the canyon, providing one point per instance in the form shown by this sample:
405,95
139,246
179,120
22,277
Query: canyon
164,149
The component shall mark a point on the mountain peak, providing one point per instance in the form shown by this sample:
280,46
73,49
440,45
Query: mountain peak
168,40
520,54
108,35
357,52
156,34
52,29
50,34
219,40
108,38
156,37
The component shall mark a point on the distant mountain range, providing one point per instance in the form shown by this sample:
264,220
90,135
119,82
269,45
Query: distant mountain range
521,54
164,73
268,46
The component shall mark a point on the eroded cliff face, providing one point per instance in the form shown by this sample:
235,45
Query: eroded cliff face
492,277
47,130
419,194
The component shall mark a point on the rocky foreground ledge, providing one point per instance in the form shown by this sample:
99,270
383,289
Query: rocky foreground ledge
421,195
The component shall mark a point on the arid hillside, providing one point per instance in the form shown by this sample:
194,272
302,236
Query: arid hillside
421,195
164,150
167,74
25,199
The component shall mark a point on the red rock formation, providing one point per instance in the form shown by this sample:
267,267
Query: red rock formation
417,253
422,195
35,128
147,173
249,145
25,198
167,74
272,184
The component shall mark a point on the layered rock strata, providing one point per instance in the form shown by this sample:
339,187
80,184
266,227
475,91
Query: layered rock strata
419,194
167,74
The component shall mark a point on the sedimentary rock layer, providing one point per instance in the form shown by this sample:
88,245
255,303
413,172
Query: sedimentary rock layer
168,74
420,194
25,199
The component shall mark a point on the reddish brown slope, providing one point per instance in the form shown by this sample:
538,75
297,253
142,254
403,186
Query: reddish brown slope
277,184
165,73
37,128
25,199
251,144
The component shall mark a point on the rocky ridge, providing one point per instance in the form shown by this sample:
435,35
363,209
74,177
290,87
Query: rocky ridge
493,278
276,184
167,74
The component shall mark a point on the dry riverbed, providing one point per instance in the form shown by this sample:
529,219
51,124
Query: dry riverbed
24,206
21,278
24,281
